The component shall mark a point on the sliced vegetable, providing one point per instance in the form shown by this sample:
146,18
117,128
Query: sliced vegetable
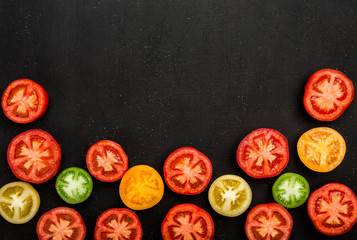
230,195
74,185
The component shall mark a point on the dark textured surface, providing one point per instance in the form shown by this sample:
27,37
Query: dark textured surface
157,75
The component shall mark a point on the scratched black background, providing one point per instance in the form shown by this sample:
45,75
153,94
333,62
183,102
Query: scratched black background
157,75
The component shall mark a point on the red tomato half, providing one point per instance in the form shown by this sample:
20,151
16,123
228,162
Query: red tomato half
268,221
187,171
61,223
24,101
263,153
333,209
34,156
118,223
107,161
187,221
327,94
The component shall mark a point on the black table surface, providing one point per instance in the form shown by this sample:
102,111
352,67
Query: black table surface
158,75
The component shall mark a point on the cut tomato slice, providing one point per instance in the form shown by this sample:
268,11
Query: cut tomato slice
321,149
24,101
107,161
118,223
74,185
327,94
263,153
187,221
333,209
19,202
187,171
291,190
268,221
34,156
141,187
61,223
230,195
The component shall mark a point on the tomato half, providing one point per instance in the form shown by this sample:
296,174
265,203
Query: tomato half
19,202
327,94
263,153
74,185
61,223
187,171
141,187
24,101
118,223
333,209
230,195
268,221
107,161
291,190
187,221
34,156
321,149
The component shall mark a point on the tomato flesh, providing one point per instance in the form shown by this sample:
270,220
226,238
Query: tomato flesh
61,223
34,156
291,190
263,153
187,171
327,94
118,223
333,209
24,101
74,185
187,221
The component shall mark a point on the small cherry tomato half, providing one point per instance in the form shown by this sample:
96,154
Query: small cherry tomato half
187,171
187,221
19,202
291,190
333,209
327,94
107,161
34,156
74,185
118,223
230,195
268,221
24,101
61,223
263,153
321,149
141,187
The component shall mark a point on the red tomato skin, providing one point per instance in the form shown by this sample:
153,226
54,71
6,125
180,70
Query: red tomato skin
311,207
307,102
242,144
43,98
167,169
13,168
71,210
122,154
132,214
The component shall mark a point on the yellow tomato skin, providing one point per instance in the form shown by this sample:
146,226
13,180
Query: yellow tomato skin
321,149
141,187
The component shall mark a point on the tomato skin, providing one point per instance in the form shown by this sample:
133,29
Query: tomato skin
51,216
326,194
42,98
196,213
247,143
99,148
313,79
99,228
26,136
197,158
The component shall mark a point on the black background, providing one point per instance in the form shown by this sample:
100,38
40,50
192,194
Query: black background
161,74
